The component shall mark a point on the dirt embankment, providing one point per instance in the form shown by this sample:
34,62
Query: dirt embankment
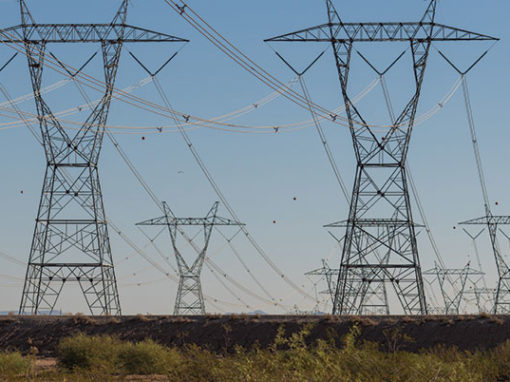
220,333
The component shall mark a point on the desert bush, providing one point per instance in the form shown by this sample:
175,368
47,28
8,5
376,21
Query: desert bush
84,352
80,318
144,358
291,358
106,354
14,364
142,318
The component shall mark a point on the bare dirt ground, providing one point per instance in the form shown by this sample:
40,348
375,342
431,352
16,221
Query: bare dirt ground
219,333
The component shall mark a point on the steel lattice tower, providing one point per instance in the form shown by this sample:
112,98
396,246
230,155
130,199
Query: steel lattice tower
71,240
493,223
189,300
328,274
376,301
380,217
453,285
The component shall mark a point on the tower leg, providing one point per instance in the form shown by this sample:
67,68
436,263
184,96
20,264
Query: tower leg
73,249
189,299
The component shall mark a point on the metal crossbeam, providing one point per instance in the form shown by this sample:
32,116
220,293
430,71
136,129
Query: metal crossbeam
373,223
208,221
380,32
485,220
82,33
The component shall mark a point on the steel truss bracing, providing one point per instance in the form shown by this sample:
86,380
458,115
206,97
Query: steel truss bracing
189,300
453,284
380,218
71,242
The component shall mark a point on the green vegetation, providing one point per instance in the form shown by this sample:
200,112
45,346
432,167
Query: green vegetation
14,364
84,353
83,358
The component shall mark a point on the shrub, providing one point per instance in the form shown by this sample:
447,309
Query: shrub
143,358
84,352
79,318
142,318
14,364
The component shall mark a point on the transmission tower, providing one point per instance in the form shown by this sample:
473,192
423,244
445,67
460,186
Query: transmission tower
380,213
502,295
453,284
328,274
484,298
189,300
71,242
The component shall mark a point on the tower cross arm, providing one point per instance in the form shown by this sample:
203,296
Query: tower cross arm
499,220
372,223
381,32
453,272
173,221
83,33
323,272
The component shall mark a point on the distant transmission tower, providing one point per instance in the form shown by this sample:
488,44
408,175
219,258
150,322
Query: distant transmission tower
380,213
71,242
189,300
502,293
453,284
484,298
327,273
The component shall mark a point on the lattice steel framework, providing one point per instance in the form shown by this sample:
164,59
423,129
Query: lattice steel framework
453,284
71,240
502,293
189,300
376,297
380,217
484,298
328,274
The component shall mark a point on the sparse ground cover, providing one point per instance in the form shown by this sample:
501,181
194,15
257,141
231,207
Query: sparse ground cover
288,358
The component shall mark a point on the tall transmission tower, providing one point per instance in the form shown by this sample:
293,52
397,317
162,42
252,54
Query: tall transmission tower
71,242
189,300
453,284
380,212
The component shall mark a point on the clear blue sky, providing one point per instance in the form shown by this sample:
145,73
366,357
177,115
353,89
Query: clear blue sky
261,175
